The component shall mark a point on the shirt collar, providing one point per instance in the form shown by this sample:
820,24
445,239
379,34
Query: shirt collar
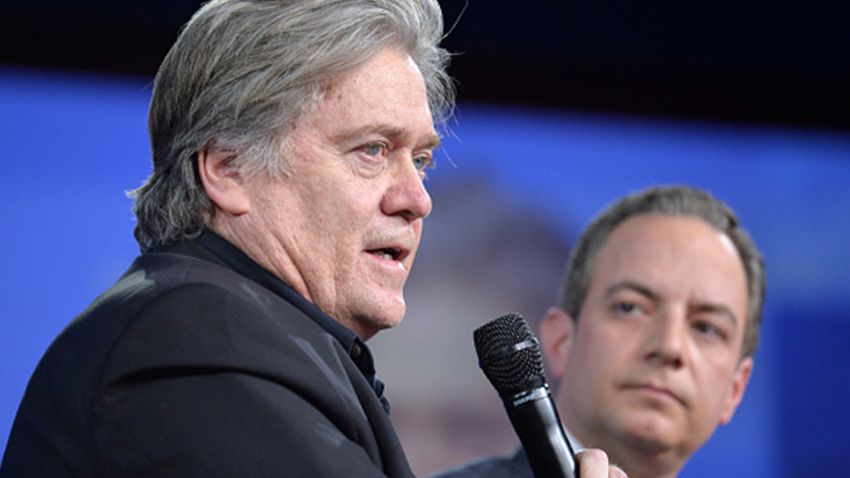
245,266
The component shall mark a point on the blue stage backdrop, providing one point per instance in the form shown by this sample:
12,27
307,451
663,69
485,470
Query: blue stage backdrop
72,146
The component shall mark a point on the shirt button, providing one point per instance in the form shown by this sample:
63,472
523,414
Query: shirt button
356,350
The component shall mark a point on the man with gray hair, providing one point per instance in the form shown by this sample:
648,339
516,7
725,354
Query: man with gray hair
290,141
654,337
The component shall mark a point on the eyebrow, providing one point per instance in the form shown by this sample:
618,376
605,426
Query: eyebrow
707,307
633,286
394,133
719,309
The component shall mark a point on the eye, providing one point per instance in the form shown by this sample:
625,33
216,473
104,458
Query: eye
422,162
707,328
376,148
627,309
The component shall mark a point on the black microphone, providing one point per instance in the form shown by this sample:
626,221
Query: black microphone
509,354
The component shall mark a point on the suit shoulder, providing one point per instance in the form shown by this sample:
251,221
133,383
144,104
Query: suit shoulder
171,310
514,465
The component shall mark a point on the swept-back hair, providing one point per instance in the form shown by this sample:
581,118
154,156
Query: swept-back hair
242,71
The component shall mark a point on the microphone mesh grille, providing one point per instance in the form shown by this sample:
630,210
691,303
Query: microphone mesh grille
507,369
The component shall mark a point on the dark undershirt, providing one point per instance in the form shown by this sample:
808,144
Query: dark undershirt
244,265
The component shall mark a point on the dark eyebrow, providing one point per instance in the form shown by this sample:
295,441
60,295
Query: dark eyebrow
705,307
393,133
633,286
722,310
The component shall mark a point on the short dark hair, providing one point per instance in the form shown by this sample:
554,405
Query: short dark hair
673,201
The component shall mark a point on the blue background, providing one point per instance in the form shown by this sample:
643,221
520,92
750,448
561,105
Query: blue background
73,144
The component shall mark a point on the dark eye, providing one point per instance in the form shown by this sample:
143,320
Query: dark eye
626,308
708,328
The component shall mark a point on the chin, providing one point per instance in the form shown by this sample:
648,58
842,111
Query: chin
380,316
390,316
650,436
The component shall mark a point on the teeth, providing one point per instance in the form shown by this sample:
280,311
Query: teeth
388,253
384,254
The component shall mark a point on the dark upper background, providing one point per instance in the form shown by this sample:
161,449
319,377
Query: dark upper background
782,62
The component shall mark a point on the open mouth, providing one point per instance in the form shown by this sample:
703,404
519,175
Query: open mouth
389,253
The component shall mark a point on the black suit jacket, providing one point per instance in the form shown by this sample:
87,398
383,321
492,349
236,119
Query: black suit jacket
511,466
187,368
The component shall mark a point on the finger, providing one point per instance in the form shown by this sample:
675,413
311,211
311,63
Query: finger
616,472
593,463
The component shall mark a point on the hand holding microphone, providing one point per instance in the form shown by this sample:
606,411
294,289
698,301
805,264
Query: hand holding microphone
509,354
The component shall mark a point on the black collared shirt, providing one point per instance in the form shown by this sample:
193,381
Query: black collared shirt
351,343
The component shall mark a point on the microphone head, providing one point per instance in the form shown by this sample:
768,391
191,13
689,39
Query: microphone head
509,354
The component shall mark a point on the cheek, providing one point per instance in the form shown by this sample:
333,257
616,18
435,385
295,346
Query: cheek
354,198
590,352
336,209
346,230
350,223
417,228
608,354
605,339
714,382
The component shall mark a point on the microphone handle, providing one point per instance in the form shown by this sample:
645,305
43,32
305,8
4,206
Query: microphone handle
536,423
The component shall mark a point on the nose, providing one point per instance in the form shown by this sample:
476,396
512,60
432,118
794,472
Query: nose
667,339
406,195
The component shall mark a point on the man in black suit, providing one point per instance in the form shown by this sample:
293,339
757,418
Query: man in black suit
290,141
654,337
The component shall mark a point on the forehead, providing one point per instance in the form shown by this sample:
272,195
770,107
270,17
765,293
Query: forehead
679,257
388,88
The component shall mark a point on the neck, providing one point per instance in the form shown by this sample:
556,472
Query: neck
639,460
638,464
272,256
269,254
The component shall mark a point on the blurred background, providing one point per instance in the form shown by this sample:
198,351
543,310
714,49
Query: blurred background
563,108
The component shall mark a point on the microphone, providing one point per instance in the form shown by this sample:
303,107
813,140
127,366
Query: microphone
509,354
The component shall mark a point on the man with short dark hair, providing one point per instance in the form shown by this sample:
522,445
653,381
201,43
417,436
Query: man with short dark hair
654,338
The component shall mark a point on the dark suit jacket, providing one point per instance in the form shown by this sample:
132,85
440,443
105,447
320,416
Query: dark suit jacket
510,466
186,368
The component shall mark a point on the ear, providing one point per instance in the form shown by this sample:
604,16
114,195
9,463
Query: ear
222,180
556,333
736,392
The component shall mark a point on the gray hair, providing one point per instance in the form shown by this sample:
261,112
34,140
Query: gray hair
242,71
674,201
